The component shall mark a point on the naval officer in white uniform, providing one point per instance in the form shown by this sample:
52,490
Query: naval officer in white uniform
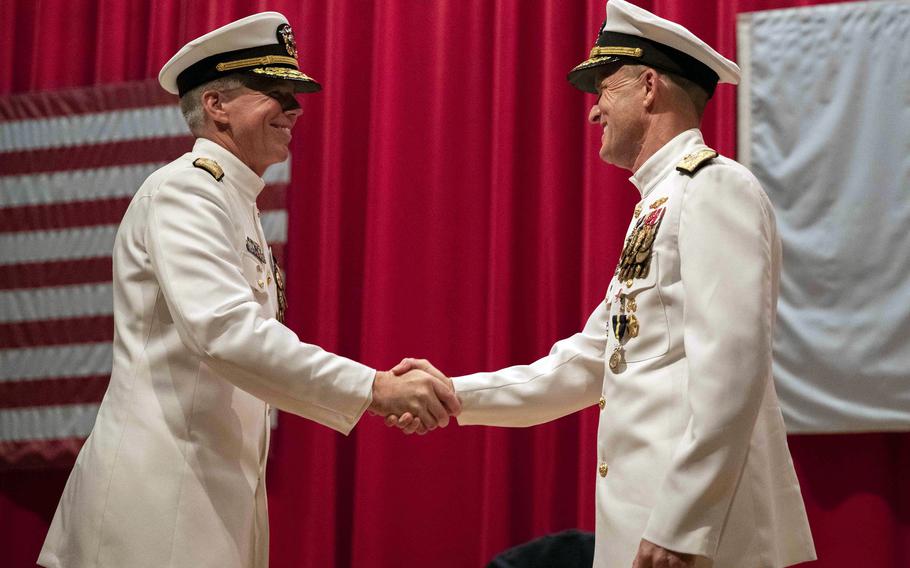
173,473
693,466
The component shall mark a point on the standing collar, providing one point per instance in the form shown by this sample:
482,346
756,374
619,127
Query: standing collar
664,160
238,174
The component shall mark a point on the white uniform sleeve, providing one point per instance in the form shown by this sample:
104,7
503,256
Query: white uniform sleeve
568,379
729,265
189,240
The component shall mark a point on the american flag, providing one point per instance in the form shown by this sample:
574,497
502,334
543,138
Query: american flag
70,161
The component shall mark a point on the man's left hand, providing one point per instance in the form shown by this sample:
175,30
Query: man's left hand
652,556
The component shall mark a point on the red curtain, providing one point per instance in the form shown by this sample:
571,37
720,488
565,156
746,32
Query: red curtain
447,202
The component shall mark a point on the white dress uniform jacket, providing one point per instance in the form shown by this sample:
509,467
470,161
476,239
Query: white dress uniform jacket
691,444
173,473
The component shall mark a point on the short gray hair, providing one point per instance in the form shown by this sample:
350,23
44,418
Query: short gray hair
695,93
191,101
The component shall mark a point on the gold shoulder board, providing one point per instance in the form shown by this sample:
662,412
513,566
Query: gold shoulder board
692,162
211,166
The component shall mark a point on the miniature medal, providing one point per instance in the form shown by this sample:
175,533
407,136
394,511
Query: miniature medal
255,249
635,260
279,283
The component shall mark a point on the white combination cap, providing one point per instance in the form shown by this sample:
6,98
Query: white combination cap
633,35
262,44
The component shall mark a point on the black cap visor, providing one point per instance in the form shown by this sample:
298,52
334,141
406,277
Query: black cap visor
613,47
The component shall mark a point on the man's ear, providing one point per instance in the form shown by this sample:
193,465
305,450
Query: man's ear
651,82
213,106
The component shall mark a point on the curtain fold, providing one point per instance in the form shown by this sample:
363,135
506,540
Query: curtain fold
447,202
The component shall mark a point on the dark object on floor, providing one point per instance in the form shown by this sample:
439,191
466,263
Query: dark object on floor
566,549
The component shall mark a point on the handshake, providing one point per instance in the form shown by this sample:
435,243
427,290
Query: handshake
414,396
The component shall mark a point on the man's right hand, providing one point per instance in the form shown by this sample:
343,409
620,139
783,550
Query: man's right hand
415,393
409,422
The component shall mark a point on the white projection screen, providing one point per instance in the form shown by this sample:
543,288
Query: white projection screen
824,122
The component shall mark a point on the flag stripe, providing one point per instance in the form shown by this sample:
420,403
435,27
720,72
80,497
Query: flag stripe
273,197
79,130
52,392
97,212
81,360
95,241
99,98
43,246
74,185
72,272
56,332
63,215
95,155
99,183
57,273
47,422
30,304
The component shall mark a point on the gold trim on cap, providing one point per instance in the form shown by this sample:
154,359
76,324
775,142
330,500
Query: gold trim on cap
591,63
257,62
283,73
599,51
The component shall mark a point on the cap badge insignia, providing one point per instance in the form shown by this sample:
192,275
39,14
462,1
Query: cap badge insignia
254,249
211,166
286,36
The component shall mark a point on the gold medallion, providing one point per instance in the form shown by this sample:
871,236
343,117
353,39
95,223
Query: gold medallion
616,359
633,326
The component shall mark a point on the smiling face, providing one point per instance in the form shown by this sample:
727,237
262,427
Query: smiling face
619,112
260,117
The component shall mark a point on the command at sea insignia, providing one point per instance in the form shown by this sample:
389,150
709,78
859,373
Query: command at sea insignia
635,259
211,166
